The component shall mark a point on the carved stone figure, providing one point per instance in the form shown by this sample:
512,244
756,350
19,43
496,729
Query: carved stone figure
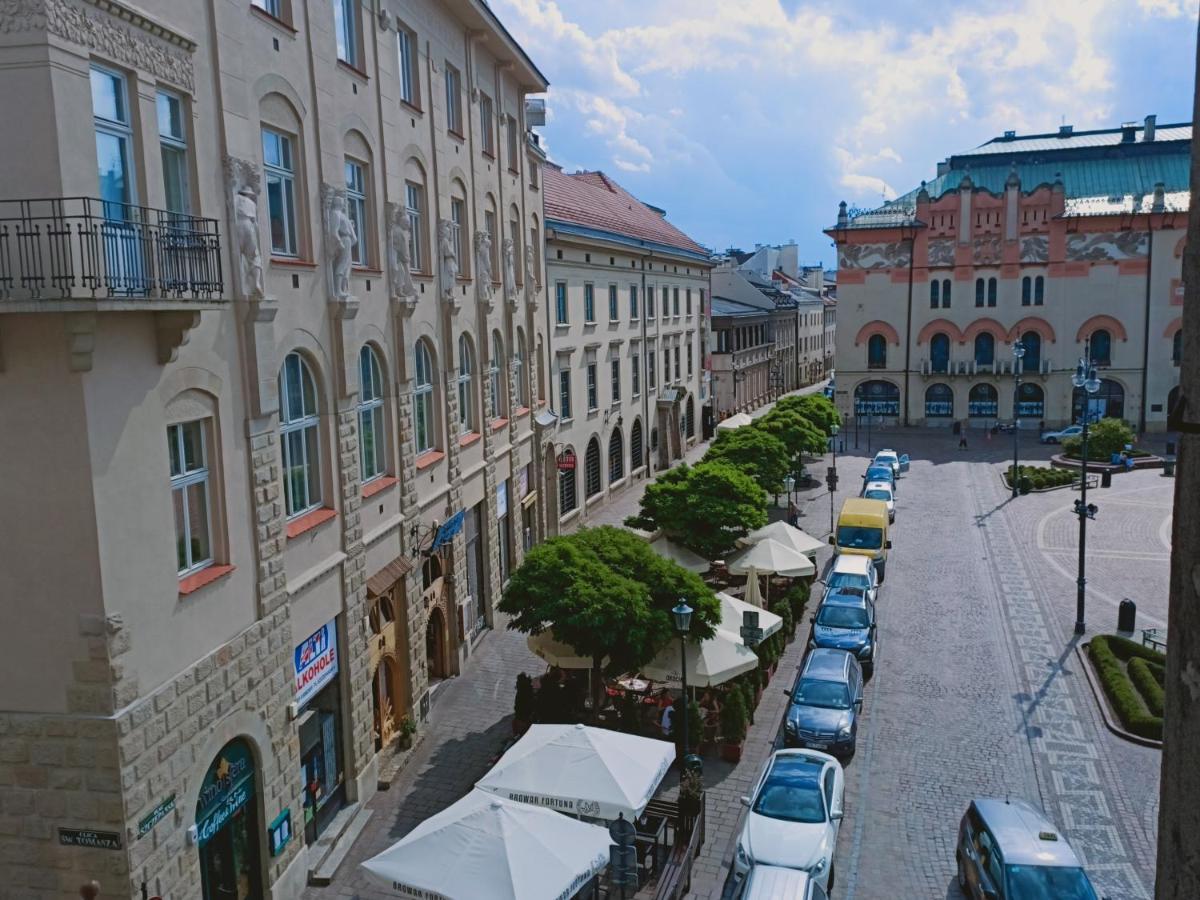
342,235
448,259
400,265
941,252
510,271
243,180
530,268
483,265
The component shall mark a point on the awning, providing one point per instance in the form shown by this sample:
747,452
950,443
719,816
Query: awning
381,582
529,499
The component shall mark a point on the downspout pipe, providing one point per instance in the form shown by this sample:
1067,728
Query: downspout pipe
1146,324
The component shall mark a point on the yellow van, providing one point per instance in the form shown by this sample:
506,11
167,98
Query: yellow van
862,528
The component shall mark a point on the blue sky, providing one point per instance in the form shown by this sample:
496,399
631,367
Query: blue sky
749,120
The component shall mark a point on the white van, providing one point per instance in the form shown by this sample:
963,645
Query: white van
776,883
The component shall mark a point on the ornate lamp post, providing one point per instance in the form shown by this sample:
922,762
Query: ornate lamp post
831,477
788,483
682,614
1084,378
1018,350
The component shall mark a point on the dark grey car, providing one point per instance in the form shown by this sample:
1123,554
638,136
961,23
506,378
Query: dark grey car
845,620
825,703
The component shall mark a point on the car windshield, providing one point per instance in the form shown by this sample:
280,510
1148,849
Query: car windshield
1048,883
847,579
825,694
879,473
791,799
858,538
884,459
878,494
835,616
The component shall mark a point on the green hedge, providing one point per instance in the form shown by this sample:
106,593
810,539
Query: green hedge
1143,679
1034,478
1125,649
1125,699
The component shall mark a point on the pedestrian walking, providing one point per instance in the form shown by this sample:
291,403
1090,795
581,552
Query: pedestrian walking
962,435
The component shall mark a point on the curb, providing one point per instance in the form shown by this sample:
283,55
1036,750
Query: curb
1102,701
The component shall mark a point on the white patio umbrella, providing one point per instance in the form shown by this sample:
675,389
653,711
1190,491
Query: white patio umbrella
714,661
677,553
753,595
485,846
769,555
581,770
556,653
734,422
731,616
788,535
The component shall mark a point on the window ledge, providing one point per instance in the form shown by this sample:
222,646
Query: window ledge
288,261
520,411
468,439
375,485
456,134
192,583
309,521
487,154
272,20
428,458
353,69
497,424
563,520
365,270
412,107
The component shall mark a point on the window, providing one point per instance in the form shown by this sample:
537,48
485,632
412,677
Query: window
300,436
560,303
564,392
592,405
566,491
1026,291
616,380
514,144
983,402
675,302
1032,360
356,208
519,371
688,307
991,292
406,50
1101,347
651,371
423,425
537,253
666,366
701,301
589,304
1177,347
280,166
413,208
649,302
635,446
189,495
877,352
487,125
466,395
616,457
677,354
453,100
458,221
114,142
1039,290
939,352
371,431
633,301
272,7
985,349
172,143
979,289
939,401
613,312
345,27
636,375
1031,401
495,371
514,230
689,358
935,290
666,302
591,466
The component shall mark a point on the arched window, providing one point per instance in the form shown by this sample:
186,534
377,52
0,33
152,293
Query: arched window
299,434
635,446
1101,347
616,457
979,289
689,420
423,422
877,398
939,352
1039,290
1106,403
1032,360
935,294
496,376
417,214
466,392
1031,401
1177,347
983,402
372,435
1026,291
945,293
939,401
519,371
566,490
985,349
592,468
877,352
992,287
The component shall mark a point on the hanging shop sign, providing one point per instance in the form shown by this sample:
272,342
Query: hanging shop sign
446,533
156,815
85,837
280,832
566,461
315,662
226,788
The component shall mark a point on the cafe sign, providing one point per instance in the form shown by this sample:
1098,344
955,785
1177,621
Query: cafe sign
227,787
315,662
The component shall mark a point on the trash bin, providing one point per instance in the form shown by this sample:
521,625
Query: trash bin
1169,468
1126,615
1106,478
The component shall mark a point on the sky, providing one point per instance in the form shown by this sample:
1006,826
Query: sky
748,120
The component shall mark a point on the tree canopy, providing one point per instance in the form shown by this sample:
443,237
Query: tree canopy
757,452
816,408
797,433
705,507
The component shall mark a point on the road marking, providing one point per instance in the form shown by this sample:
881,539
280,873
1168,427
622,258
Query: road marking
1115,554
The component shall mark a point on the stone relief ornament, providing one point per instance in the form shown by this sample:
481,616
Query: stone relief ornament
342,235
1107,246
483,267
986,251
400,266
1035,249
510,272
531,277
874,256
447,261
243,178
941,253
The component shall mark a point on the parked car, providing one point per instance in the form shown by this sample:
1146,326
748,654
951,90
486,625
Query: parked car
778,883
853,570
1057,437
880,472
891,458
796,809
845,620
825,703
1008,850
881,490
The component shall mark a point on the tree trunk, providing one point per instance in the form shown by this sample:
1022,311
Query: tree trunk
597,688
1179,811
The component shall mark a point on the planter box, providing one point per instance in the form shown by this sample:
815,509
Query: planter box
731,752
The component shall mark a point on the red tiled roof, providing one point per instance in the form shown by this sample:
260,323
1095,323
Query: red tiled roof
593,200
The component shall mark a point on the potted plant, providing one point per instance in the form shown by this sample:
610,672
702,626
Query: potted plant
523,705
691,794
783,609
733,727
406,731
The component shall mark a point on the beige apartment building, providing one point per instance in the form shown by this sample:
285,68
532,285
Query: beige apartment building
270,275
627,311
1069,242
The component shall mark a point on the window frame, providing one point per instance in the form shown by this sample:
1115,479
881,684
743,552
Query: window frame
370,408
564,394
459,222
519,371
651,371
636,375
286,177
423,397
566,479
589,303
1039,290
416,247
175,144
615,379
464,382
273,8
454,110
616,457
487,124
614,304
514,145
302,424
877,360
350,21
358,209
121,129
186,478
499,406
593,470
407,51
561,306
593,400
992,291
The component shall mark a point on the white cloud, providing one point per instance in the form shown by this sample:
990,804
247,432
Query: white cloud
1169,8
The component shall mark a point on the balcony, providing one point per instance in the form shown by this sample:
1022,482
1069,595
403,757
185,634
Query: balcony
84,254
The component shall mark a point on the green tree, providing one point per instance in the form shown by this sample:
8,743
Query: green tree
1106,437
816,408
705,507
797,433
755,451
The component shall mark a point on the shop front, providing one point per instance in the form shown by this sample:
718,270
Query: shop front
319,721
227,832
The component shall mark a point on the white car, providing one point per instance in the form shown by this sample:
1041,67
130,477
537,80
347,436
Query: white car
774,883
893,459
1057,437
795,812
881,490
853,570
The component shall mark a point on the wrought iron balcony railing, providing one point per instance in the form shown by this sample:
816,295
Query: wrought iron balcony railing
83,248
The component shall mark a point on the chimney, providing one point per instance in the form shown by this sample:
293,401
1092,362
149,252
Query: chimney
1065,131
1148,133
843,219
1010,135
1128,132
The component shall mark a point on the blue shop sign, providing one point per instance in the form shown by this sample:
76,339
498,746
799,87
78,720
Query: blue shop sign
449,529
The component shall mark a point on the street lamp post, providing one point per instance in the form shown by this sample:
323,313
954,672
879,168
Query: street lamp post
788,483
832,480
1084,378
1018,352
682,613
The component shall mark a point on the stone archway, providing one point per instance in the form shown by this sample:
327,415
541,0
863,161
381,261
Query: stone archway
435,645
387,694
